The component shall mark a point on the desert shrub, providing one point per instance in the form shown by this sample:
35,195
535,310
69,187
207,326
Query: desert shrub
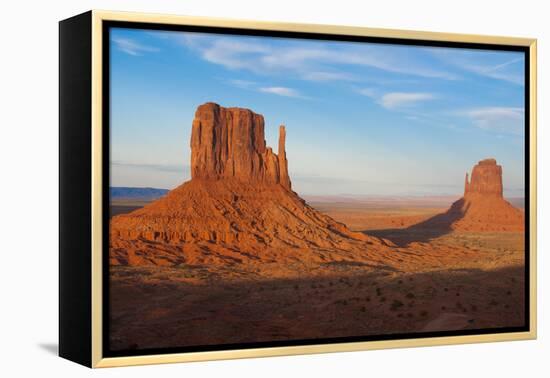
396,304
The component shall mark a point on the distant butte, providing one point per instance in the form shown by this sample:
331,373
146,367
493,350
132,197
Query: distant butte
483,207
486,180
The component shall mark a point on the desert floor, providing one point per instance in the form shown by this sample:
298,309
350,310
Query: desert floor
435,282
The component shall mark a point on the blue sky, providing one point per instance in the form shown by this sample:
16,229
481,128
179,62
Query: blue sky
361,119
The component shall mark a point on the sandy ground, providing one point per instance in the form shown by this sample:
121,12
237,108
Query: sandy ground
379,215
434,282
123,206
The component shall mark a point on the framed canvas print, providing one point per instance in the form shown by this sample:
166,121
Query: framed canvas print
236,189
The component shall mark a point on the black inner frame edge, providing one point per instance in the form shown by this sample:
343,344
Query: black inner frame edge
107,25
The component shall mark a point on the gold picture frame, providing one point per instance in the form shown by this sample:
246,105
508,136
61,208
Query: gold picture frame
90,328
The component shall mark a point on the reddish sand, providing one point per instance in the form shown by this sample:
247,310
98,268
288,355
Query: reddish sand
458,281
373,214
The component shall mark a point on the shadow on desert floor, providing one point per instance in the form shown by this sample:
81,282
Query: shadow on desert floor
343,304
425,231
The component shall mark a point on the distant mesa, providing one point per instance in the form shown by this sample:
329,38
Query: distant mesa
142,194
237,207
483,207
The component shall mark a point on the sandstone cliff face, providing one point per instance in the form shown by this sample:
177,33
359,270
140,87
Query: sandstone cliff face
486,179
230,143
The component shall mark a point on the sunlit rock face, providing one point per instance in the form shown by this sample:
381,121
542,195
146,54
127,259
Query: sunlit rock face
230,143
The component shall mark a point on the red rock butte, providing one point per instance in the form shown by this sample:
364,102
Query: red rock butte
237,207
229,143
483,207
486,180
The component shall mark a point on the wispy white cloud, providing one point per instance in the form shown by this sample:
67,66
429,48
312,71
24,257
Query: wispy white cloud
329,76
265,88
281,91
404,99
132,47
497,71
508,120
505,64
155,167
233,53
369,92
314,62
243,84
489,65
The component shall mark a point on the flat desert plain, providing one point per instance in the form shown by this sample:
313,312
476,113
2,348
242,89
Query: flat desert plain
427,281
